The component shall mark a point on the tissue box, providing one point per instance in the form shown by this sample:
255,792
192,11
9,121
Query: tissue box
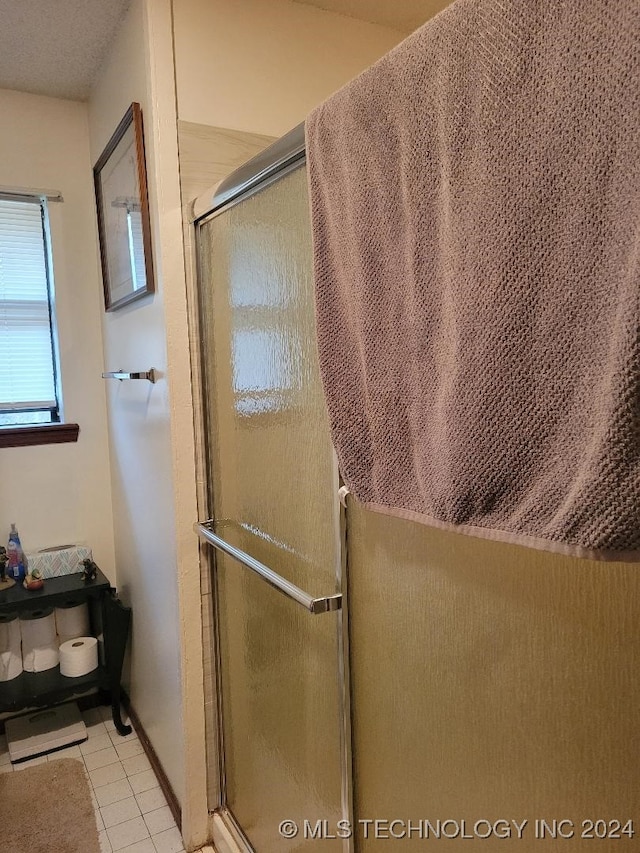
54,562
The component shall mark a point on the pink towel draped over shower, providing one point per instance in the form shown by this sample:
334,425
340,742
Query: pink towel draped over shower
475,201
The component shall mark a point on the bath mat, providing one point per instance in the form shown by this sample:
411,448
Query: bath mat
47,807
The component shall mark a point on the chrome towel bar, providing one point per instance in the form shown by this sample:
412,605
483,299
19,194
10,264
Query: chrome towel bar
121,374
315,606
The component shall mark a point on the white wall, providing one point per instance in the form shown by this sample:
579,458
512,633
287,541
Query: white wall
146,452
262,65
61,493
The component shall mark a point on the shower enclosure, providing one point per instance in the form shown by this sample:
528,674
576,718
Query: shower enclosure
281,635
451,680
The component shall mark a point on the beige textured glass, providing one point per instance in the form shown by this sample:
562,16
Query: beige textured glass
274,489
491,683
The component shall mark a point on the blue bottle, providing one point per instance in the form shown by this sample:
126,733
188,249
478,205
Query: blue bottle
17,563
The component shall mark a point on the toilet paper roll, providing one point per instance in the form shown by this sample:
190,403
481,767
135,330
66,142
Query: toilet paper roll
38,626
10,647
72,620
79,656
39,640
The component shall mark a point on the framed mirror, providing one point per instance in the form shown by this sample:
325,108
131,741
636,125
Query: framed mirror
124,229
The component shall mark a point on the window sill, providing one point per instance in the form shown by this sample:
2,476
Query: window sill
27,436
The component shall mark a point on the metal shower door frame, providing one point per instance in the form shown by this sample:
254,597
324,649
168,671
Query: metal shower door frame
278,160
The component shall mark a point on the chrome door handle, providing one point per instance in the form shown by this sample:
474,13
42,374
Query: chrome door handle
314,605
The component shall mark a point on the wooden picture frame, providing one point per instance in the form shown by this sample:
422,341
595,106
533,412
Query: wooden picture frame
124,229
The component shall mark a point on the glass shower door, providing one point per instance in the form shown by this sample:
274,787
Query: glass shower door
274,483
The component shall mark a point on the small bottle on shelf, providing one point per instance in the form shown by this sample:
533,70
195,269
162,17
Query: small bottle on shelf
17,561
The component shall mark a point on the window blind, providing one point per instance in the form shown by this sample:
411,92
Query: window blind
27,367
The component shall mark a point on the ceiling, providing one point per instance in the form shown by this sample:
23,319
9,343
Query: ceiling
403,15
55,47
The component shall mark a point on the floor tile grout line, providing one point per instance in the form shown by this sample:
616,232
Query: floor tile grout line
134,796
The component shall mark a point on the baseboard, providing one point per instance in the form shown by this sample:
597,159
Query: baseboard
154,761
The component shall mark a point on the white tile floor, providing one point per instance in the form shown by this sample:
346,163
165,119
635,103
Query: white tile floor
131,812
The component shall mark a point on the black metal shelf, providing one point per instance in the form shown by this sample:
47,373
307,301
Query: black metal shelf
35,689
109,617
54,592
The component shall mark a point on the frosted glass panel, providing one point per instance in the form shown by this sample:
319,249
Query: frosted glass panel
274,488
490,682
